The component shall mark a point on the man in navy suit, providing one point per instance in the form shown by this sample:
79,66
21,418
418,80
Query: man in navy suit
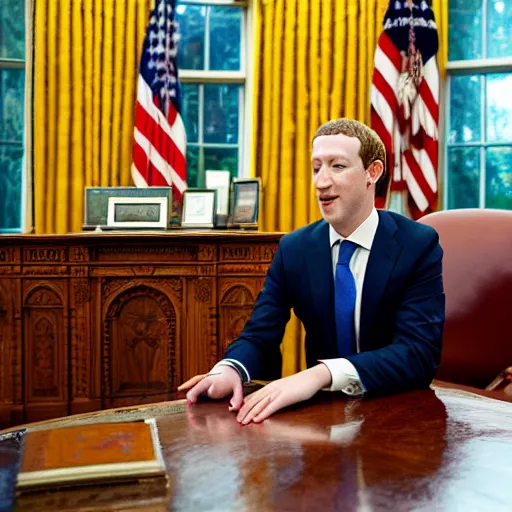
366,284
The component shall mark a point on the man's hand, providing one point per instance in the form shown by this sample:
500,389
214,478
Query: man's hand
223,381
282,393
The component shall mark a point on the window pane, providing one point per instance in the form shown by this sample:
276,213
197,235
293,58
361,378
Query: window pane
465,29
222,159
498,186
221,113
11,162
225,33
463,177
12,29
499,107
193,166
191,19
190,110
464,109
12,91
499,21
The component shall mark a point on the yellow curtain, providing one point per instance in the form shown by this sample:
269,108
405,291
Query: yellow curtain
313,62
86,65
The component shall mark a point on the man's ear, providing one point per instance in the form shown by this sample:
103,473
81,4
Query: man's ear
375,171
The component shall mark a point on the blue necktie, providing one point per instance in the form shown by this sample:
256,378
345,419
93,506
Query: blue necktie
345,300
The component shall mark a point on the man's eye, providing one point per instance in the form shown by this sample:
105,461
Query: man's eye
339,166
315,170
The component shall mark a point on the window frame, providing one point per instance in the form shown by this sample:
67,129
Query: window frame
242,78
483,67
26,221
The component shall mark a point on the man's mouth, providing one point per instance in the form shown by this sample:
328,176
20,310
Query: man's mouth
327,200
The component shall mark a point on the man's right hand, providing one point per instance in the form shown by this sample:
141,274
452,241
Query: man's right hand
223,381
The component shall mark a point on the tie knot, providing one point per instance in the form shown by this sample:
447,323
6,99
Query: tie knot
347,249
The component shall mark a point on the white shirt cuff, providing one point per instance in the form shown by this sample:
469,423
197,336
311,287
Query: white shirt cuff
233,363
344,376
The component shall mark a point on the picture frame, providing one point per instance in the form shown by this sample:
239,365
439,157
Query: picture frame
96,202
245,202
137,213
199,208
220,181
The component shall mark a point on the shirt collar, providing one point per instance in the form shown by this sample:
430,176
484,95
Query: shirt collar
362,236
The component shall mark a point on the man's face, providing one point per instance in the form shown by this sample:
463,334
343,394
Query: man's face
341,182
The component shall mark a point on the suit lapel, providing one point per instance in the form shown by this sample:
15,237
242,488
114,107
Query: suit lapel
322,283
383,256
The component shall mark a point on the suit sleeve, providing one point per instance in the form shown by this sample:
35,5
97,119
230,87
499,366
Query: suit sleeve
258,346
411,360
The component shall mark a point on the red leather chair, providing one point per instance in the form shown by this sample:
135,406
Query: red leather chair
477,272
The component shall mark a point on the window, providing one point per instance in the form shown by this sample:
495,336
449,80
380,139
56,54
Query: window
212,70
12,112
479,120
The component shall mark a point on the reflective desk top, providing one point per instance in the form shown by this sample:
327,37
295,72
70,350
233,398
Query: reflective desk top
438,449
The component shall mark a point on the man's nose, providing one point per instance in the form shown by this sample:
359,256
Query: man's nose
322,178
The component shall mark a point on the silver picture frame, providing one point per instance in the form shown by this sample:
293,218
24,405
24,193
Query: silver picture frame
199,208
245,203
96,202
220,181
137,213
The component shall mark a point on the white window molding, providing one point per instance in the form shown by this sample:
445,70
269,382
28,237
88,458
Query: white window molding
480,151
211,77
241,77
229,3
27,219
469,67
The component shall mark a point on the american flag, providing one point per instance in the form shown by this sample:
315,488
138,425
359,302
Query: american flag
405,102
159,134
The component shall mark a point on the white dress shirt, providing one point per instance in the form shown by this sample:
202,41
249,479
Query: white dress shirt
344,375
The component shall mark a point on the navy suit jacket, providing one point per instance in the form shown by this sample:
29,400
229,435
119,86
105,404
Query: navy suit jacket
402,306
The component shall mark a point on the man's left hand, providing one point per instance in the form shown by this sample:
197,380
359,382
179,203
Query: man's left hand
282,393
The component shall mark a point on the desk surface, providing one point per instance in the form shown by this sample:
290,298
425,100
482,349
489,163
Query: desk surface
440,449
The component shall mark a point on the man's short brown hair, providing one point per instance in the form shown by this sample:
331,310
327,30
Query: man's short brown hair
372,148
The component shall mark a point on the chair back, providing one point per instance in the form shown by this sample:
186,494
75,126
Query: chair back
477,274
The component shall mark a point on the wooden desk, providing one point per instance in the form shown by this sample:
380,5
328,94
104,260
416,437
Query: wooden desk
440,449
99,320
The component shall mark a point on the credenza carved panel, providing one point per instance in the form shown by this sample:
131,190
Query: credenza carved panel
158,271
80,315
145,253
247,252
45,328
9,260
10,354
236,302
200,298
79,254
44,255
94,321
139,342
249,269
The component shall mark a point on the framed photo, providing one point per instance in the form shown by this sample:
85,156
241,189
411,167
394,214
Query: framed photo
137,212
96,202
245,199
220,181
199,206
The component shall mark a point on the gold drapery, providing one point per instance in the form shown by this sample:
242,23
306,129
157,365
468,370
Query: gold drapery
86,58
313,62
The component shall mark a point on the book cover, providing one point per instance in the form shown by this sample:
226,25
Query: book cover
147,495
90,454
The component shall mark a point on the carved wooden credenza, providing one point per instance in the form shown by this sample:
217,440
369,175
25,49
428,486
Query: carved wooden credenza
99,320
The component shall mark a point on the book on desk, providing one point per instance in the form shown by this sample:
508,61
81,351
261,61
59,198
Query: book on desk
90,454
